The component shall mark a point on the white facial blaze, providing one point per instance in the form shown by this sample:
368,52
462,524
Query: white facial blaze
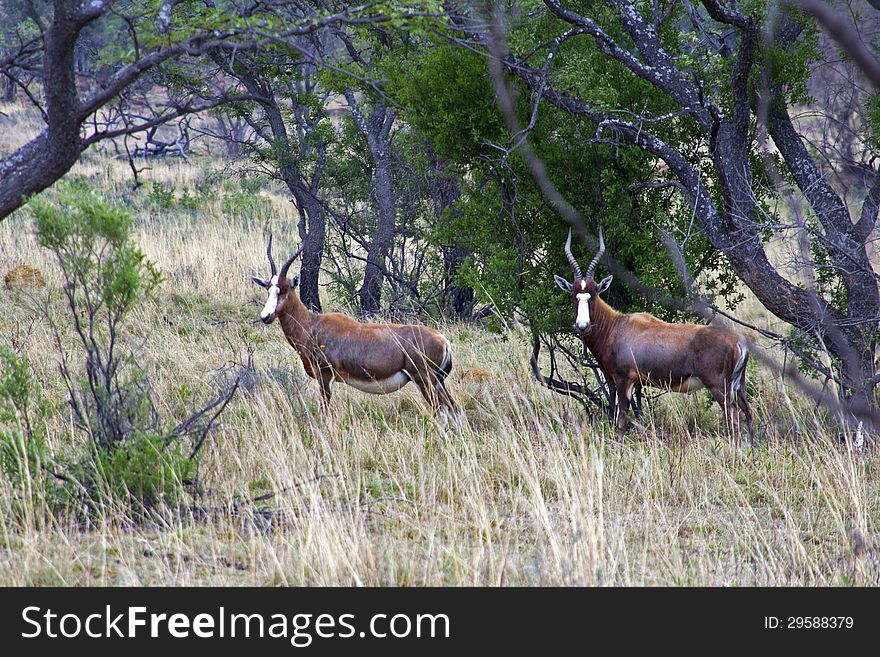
583,317
272,301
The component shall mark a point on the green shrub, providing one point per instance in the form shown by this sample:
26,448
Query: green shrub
162,195
190,202
135,458
23,451
253,184
244,205
145,472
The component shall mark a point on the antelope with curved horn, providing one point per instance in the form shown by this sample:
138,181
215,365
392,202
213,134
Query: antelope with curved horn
641,349
374,358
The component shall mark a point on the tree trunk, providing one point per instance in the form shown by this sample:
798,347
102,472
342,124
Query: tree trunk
313,252
377,130
459,298
445,190
386,210
9,92
39,163
312,224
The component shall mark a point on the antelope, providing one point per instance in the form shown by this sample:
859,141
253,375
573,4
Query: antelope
374,358
640,349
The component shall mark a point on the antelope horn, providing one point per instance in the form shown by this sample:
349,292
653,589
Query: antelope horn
289,262
269,253
574,265
599,255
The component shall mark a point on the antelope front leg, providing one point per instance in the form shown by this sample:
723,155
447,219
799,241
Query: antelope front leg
624,392
325,378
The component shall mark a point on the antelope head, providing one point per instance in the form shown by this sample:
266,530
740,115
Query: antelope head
280,287
583,289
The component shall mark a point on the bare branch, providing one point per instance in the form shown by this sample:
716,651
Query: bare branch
845,35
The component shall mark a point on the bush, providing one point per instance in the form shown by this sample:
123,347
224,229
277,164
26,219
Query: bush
135,458
189,202
162,196
105,277
253,184
22,444
245,206
144,472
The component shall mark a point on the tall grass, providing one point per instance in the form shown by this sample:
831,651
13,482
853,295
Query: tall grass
529,491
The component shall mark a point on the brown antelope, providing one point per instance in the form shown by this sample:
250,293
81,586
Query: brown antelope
641,349
374,358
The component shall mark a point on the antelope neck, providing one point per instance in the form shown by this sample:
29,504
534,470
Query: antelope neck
296,320
602,319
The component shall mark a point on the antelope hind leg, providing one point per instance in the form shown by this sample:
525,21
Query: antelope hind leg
729,408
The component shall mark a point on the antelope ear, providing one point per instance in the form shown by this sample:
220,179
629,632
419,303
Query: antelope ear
260,282
562,284
605,284
294,281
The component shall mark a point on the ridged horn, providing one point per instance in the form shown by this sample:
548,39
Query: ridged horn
269,255
289,261
574,265
592,267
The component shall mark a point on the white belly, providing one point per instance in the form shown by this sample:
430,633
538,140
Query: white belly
380,386
691,384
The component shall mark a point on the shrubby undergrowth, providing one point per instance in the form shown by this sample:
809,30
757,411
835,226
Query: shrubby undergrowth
132,456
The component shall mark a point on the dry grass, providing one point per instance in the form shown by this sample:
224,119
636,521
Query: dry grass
528,492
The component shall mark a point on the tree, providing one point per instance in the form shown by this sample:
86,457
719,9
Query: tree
511,232
708,93
292,126
376,127
375,120
398,186
154,35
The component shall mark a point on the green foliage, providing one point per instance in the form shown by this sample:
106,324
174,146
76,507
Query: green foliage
349,167
189,202
449,97
240,200
90,239
515,236
22,443
15,391
244,205
144,472
872,129
790,68
18,24
162,195
253,184
134,459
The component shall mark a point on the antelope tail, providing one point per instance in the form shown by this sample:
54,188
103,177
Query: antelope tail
446,364
738,374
